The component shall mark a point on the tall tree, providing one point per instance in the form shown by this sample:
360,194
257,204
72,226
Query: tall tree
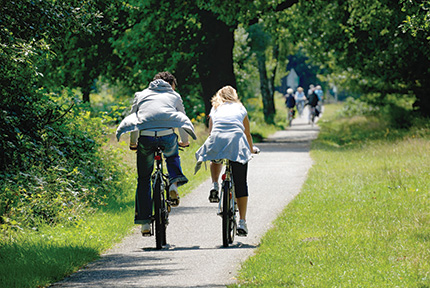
28,29
167,35
260,41
81,56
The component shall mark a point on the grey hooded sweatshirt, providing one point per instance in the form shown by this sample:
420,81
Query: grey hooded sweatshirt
156,107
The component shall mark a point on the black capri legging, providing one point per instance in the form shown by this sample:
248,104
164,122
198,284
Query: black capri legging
240,172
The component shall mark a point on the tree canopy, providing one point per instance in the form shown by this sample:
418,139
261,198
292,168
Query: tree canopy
369,43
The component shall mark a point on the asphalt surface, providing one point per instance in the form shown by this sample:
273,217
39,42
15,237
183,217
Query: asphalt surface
194,256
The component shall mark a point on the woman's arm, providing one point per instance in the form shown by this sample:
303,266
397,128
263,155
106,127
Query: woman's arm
210,125
248,134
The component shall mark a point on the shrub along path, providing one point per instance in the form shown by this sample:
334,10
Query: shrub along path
195,256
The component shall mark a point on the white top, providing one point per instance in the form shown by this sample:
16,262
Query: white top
300,95
229,112
227,139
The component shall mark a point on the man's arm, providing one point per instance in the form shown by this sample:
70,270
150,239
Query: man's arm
182,134
133,140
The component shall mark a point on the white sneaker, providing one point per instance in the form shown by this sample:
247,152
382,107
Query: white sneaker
174,195
214,193
146,229
242,229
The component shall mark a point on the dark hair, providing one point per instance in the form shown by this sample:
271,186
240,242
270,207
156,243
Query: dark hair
166,76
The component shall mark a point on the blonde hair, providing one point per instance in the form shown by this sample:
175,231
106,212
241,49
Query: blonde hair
225,94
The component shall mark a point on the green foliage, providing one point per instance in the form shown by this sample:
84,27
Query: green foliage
51,166
245,66
354,107
82,55
363,41
61,174
418,18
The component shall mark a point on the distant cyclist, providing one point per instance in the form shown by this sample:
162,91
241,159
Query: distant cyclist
320,94
300,100
290,102
313,103
229,138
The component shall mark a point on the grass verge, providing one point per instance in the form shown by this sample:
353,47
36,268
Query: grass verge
362,218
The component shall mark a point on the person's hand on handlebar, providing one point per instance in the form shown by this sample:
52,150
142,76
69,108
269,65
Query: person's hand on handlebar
182,144
133,147
256,150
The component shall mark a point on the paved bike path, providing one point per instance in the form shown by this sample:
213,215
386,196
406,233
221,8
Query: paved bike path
195,256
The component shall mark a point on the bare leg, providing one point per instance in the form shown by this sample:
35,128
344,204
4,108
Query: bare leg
215,171
242,204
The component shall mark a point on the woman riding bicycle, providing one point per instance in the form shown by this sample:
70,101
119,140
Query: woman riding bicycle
155,112
229,138
300,100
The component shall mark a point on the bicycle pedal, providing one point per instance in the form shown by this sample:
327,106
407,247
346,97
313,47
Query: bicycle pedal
213,197
147,234
174,203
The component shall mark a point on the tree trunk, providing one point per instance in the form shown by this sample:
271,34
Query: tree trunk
215,65
268,103
422,102
272,78
86,94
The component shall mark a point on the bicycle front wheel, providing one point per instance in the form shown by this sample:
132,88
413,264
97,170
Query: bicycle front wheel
160,227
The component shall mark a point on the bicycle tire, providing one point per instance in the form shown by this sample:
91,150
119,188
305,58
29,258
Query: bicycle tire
160,228
233,226
165,216
290,118
226,214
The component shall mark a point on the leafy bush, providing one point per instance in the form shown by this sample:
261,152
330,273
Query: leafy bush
399,117
355,107
61,172
52,168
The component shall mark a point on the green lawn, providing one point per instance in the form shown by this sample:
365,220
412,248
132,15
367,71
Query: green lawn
362,218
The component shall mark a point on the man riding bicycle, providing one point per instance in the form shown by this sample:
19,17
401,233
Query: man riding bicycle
155,112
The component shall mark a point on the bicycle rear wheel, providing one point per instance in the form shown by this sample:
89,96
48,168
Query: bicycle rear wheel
228,223
160,227
290,118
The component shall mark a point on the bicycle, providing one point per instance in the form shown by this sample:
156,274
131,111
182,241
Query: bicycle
290,116
313,114
227,208
160,199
